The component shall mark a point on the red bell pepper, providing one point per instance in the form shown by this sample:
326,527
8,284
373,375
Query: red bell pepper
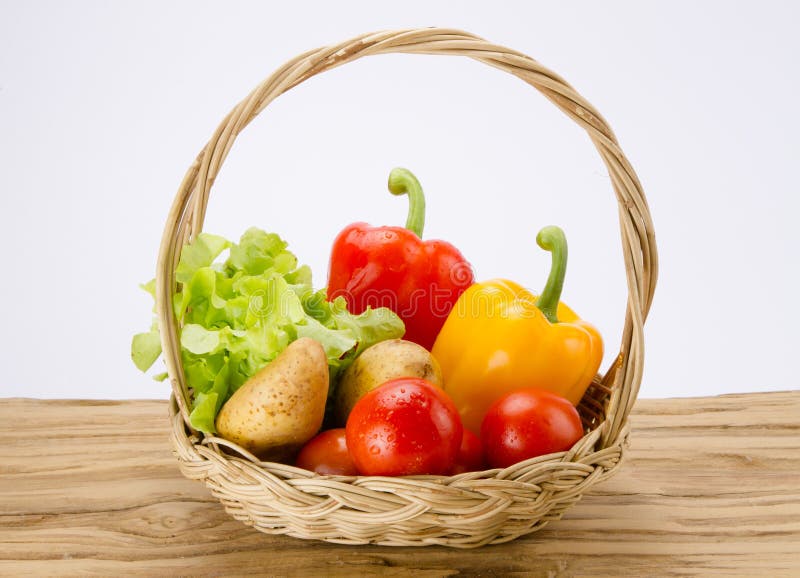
393,267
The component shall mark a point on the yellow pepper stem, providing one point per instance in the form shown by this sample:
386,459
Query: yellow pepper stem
403,182
553,239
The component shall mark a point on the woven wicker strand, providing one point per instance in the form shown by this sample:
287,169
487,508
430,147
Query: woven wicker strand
466,510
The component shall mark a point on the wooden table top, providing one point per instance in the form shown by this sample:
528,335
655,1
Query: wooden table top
710,486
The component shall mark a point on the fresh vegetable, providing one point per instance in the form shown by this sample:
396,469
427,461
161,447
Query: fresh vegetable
500,338
406,426
282,406
378,364
470,455
326,454
393,267
238,315
529,423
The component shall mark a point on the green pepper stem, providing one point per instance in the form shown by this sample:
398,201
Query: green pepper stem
552,239
403,182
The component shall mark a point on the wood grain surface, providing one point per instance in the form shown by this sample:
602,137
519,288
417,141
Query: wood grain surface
710,486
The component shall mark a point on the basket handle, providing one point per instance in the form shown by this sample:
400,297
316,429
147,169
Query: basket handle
187,213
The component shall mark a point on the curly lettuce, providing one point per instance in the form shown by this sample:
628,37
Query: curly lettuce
239,314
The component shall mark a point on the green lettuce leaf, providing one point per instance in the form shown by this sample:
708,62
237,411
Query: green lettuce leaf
206,404
238,315
338,330
145,349
258,252
200,253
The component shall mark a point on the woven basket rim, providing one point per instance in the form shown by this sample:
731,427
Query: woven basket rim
615,391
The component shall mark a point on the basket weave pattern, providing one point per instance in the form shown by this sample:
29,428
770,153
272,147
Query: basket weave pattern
466,510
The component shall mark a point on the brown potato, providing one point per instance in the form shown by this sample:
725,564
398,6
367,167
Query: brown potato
378,364
282,406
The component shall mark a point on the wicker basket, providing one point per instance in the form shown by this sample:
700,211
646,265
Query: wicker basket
465,510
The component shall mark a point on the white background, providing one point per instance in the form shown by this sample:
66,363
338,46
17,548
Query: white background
103,106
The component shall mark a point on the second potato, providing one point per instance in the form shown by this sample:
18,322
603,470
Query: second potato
378,364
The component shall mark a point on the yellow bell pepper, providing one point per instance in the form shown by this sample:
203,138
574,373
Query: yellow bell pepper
499,337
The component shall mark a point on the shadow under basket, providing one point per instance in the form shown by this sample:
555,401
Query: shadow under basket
465,510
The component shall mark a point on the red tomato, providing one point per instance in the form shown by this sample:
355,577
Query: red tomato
470,454
528,423
404,427
326,453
